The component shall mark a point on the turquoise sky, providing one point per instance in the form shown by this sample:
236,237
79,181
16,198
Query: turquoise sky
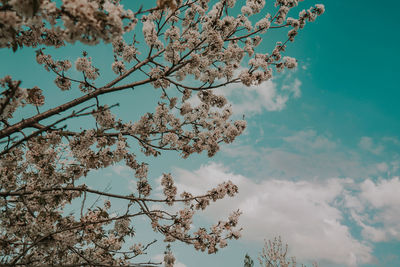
321,170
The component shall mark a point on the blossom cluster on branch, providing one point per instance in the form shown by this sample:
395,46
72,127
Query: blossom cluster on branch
191,47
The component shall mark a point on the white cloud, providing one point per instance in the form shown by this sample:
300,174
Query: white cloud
268,96
369,232
384,193
382,201
367,144
303,213
254,99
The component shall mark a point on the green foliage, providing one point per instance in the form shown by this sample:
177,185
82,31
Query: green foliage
248,261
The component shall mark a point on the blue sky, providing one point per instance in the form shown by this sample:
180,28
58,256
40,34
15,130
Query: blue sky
320,168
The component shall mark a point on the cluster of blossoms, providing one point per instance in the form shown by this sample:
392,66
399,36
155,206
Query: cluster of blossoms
169,189
123,53
84,65
118,67
58,66
12,98
193,47
37,22
49,185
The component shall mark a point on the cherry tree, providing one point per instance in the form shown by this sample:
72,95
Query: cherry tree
275,254
191,47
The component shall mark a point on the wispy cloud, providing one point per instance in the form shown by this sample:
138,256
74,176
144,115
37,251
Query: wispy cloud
307,154
392,140
368,144
121,170
309,140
